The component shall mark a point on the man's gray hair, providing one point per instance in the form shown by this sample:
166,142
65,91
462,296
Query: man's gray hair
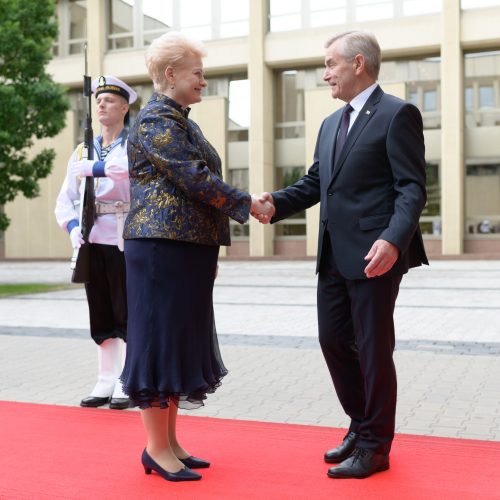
360,42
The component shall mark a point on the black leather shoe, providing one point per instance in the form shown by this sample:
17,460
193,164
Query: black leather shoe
195,463
343,450
93,402
182,475
119,403
362,463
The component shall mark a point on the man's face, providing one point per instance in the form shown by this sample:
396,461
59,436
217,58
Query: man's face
340,73
111,108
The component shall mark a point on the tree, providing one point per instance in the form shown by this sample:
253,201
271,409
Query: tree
32,106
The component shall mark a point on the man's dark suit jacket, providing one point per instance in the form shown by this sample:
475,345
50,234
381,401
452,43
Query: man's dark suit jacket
377,190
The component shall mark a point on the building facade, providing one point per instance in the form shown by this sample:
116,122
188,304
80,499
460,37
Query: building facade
266,99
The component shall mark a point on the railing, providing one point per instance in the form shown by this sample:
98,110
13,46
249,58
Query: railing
290,130
483,226
115,39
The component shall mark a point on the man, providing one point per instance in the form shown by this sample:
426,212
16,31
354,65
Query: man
371,186
106,291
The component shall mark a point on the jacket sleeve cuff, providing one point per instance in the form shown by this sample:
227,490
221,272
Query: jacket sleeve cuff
72,224
98,169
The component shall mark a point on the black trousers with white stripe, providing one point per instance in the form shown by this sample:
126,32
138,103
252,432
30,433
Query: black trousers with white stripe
107,293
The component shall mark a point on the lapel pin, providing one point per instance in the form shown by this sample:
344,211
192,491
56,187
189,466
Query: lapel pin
367,112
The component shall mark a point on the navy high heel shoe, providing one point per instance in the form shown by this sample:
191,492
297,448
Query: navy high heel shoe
185,474
195,463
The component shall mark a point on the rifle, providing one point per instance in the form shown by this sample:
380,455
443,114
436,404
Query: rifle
80,262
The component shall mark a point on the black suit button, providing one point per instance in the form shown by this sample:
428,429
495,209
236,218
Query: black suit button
323,222
330,193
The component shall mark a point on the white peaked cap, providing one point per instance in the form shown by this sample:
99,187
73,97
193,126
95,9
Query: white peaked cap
113,85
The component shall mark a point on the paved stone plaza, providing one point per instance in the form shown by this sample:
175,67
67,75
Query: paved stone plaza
447,354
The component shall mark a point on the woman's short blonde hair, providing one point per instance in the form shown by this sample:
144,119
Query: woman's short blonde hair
170,49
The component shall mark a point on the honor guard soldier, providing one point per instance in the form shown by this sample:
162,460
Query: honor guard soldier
106,289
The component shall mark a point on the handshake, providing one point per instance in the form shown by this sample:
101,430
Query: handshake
262,207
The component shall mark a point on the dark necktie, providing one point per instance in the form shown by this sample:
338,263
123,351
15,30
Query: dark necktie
342,135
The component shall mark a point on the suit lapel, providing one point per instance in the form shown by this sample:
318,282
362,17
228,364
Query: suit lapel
364,116
332,135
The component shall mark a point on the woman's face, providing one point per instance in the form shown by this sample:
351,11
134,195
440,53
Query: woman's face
188,81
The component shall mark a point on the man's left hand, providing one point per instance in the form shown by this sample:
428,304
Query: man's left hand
381,257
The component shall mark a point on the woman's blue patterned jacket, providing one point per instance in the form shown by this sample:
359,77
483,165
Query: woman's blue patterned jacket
176,184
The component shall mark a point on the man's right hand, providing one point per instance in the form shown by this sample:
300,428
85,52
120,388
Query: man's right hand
82,168
262,210
76,237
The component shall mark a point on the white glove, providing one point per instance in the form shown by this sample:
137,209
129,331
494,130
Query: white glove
82,168
115,172
76,237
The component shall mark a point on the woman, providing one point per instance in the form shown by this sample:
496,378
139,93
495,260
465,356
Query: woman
177,220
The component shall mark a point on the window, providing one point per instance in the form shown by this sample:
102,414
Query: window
136,23
289,102
469,102
486,97
196,18
420,7
482,200
237,91
120,25
430,100
285,15
370,10
430,220
233,18
239,109
327,12
296,224
477,4
482,95
72,19
422,80
238,177
238,123
77,26
412,97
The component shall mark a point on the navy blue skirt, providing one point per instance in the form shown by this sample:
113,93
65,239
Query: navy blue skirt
172,348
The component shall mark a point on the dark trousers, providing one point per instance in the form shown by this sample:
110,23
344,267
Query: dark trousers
107,293
356,334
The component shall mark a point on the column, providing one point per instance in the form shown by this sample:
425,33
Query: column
211,116
452,131
260,173
318,105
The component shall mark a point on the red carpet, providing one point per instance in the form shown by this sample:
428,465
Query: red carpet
56,452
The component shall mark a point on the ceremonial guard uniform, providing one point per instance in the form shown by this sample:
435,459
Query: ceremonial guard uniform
106,290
